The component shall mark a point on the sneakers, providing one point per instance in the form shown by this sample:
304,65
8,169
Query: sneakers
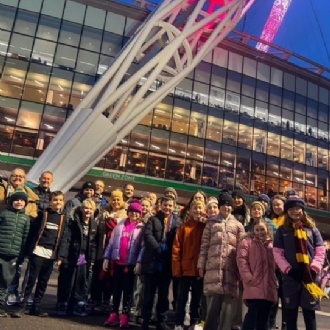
37,311
62,309
123,321
113,319
80,309
186,321
199,326
3,313
13,299
19,312
178,327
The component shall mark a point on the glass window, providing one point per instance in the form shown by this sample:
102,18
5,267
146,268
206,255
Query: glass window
276,77
24,142
9,2
249,67
323,112
229,133
195,148
311,152
8,110
156,165
104,63
218,78
286,148
203,72
226,177
234,81
174,167
178,143
322,158
95,17
323,131
259,140
53,118
232,101
162,118
70,33
43,52
214,128
159,140
262,91
261,111
66,57
299,151
217,97
285,176
6,136
288,99
310,195
300,123
311,107
210,175
59,88
26,23
29,115
201,93
131,26
4,38
48,28
273,145
53,8
115,23
311,127
180,121
112,43
301,86
235,62
136,161
248,86
20,46
312,91
141,137
245,137
220,58
247,106
263,72
275,95
242,178
74,12
257,185
81,86
324,95
87,62
7,16
30,5
212,152
289,82
91,39
274,116
197,124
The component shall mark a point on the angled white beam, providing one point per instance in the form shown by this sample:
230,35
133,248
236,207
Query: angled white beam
165,48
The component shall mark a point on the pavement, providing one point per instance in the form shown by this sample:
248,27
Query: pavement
95,321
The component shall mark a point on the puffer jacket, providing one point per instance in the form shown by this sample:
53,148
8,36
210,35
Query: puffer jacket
218,255
31,209
135,243
186,248
256,266
14,229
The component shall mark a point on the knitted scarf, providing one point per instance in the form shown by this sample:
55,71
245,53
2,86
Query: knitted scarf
304,261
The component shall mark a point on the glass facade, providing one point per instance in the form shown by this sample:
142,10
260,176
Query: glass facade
236,122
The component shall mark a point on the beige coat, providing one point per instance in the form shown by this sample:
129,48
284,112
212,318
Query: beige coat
218,256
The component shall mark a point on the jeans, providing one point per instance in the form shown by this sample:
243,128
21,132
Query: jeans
257,315
7,273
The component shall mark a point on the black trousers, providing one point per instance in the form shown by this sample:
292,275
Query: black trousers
196,285
124,278
258,314
38,269
309,318
71,284
161,283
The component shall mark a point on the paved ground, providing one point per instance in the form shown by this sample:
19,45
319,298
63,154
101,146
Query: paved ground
96,321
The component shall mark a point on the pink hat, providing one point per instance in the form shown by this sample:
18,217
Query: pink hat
135,206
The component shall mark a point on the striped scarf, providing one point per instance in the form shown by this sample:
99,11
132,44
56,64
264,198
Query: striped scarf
303,259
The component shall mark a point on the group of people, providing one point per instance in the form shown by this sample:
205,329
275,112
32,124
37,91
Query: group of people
219,254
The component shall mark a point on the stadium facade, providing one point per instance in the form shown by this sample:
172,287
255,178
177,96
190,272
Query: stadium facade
242,120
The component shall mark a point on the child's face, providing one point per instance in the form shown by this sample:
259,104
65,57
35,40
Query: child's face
197,211
167,207
19,204
260,231
146,207
87,211
57,203
238,201
278,207
212,210
295,213
256,212
225,210
198,197
134,216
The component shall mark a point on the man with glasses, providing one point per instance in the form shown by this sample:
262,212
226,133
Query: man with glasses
17,182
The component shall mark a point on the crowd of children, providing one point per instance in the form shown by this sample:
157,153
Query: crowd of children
219,254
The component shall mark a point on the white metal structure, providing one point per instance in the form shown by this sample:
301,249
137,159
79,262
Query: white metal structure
167,47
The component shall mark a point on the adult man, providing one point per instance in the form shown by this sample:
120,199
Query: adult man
100,200
156,262
87,191
128,194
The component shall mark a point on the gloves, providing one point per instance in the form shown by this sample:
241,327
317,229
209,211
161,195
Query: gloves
296,274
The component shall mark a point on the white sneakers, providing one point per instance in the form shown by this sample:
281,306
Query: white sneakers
178,327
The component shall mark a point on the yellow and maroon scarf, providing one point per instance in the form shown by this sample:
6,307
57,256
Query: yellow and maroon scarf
302,257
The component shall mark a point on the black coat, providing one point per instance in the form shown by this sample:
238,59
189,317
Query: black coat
70,247
157,251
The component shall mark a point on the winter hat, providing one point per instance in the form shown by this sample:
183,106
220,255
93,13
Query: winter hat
212,200
293,200
224,199
264,198
18,194
238,193
88,184
171,190
135,206
259,204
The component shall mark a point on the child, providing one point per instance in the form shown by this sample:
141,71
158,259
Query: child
299,253
217,264
185,253
76,255
14,229
256,265
124,248
47,234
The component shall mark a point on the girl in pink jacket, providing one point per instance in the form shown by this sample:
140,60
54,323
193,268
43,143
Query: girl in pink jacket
256,266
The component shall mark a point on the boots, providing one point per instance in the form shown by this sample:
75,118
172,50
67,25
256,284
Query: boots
162,326
20,311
